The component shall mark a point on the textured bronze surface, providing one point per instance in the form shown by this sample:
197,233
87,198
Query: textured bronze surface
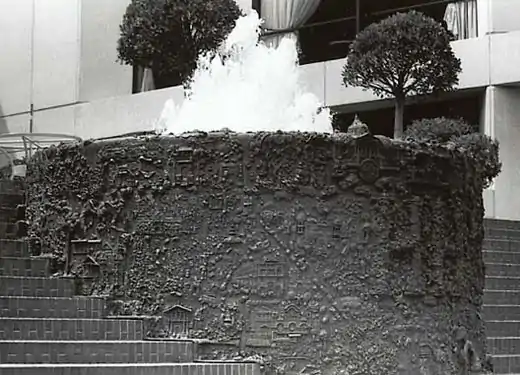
354,255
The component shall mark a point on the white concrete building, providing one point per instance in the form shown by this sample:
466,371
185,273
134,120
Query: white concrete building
59,71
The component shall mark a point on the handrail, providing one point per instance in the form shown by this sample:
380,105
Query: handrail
12,143
9,159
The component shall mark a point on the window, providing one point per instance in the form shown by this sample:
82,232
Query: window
328,33
380,119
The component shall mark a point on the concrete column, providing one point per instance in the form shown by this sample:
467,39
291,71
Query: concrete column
487,127
504,125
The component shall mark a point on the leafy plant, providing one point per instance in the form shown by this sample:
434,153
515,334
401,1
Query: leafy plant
484,153
169,35
439,129
405,54
481,149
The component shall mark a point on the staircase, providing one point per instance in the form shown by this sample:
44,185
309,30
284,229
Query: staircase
501,251
46,330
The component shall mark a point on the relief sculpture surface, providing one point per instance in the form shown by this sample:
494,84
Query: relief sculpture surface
321,254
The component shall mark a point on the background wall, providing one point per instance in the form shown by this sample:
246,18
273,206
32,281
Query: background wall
15,65
503,15
57,53
101,75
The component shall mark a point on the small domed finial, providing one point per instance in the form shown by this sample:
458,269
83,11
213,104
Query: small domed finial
358,129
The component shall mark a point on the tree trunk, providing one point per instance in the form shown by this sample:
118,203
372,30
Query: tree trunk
398,117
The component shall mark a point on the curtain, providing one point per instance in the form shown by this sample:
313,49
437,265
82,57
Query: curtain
145,81
461,19
285,14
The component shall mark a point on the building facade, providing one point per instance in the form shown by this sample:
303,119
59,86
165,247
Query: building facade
60,72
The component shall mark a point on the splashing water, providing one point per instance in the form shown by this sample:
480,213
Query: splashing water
247,86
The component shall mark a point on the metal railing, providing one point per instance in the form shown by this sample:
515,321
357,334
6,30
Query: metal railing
15,146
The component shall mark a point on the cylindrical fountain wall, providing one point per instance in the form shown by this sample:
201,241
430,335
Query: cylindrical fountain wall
336,254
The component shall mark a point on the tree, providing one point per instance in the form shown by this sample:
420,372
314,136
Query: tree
169,35
404,54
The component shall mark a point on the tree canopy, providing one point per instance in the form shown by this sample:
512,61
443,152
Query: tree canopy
169,35
404,54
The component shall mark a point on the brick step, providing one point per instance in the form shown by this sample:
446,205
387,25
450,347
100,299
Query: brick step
12,199
12,186
30,352
26,267
506,364
501,312
509,257
71,329
502,269
502,283
503,345
8,230
197,368
51,307
501,245
502,328
501,297
502,233
10,215
501,224
14,248
36,287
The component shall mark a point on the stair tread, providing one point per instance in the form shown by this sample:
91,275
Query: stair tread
499,251
501,264
503,321
54,298
501,290
102,342
503,277
110,319
137,364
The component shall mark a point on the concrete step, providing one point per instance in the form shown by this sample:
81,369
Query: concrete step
509,257
503,345
26,267
502,283
70,329
36,287
215,368
501,245
503,328
502,269
14,248
32,352
506,364
501,312
51,307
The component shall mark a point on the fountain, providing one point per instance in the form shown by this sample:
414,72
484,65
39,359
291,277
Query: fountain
322,253
246,87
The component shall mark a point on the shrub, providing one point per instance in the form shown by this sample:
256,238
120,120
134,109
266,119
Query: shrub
483,150
439,129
